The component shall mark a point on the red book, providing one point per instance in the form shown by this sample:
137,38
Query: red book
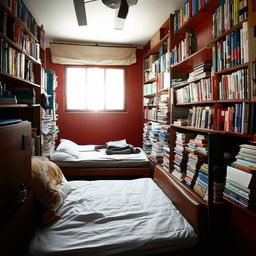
243,168
214,87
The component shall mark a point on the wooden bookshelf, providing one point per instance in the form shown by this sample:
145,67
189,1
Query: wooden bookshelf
31,69
232,69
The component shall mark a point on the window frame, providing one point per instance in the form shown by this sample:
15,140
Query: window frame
97,111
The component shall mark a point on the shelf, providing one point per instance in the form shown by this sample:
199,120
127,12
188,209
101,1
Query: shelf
232,101
196,103
150,106
19,49
249,212
19,105
10,14
150,80
149,120
212,131
155,49
164,90
150,95
223,35
197,18
232,69
202,55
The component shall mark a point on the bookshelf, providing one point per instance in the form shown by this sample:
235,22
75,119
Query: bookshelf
21,63
215,83
156,94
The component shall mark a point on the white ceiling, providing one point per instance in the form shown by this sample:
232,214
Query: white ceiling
143,20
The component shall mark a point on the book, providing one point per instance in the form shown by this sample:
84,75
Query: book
245,179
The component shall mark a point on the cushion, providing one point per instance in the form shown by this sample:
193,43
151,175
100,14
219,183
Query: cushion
69,147
50,187
117,143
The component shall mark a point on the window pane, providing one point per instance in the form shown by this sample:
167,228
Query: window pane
114,89
95,89
75,88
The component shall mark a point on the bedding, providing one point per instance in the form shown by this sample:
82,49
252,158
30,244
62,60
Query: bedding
115,217
91,158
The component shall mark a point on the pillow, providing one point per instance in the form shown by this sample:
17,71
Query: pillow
117,143
69,147
50,187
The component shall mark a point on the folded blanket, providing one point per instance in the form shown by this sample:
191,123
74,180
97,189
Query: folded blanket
120,151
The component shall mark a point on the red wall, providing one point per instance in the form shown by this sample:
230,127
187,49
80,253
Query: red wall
98,128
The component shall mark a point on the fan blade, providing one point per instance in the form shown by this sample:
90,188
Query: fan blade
132,2
123,10
80,12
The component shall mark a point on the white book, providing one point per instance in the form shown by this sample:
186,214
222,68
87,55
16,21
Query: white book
242,178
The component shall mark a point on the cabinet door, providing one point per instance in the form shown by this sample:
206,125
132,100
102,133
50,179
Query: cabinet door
15,158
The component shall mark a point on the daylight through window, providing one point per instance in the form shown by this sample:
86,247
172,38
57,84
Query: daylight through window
95,89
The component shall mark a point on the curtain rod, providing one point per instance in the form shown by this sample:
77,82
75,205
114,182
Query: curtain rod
96,44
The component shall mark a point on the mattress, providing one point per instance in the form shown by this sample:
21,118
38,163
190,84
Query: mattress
90,158
115,217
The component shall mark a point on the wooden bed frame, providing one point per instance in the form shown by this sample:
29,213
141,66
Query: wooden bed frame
193,210
107,172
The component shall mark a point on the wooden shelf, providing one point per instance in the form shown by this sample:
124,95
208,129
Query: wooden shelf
19,105
150,95
197,18
155,49
232,101
19,49
10,14
196,103
202,55
247,211
14,79
150,80
150,106
232,69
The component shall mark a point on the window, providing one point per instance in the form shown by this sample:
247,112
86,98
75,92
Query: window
95,89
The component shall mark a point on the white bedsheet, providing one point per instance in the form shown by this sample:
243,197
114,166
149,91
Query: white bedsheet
89,158
122,217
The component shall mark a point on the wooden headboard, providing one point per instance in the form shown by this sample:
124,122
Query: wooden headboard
193,210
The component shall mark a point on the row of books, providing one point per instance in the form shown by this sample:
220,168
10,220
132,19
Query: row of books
228,14
149,88
234,85
149,101
19,36
194,92
190,8
231,51
15,63
147,144
240,186
163,80
163,112
201,117
234,118
150,113
20,10
184,49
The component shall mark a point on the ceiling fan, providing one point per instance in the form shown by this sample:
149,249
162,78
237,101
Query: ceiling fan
122,7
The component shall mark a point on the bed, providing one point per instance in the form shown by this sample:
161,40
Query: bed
123,217
85,160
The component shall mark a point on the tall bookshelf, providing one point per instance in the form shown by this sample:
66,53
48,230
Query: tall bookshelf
212,94
214,80
156,93
21,57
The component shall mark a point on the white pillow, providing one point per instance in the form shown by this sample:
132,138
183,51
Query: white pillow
117,143
69,147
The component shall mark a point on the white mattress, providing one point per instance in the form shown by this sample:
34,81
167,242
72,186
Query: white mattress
121,217
90,158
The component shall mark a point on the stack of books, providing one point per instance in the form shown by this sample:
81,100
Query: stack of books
156,155
201,184
240,184
147,144
200,71
181,155
166,157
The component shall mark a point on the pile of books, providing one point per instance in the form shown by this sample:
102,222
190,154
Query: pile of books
147,145
240,184
181,155
200,71
166,157
197,149
201,184
156,155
